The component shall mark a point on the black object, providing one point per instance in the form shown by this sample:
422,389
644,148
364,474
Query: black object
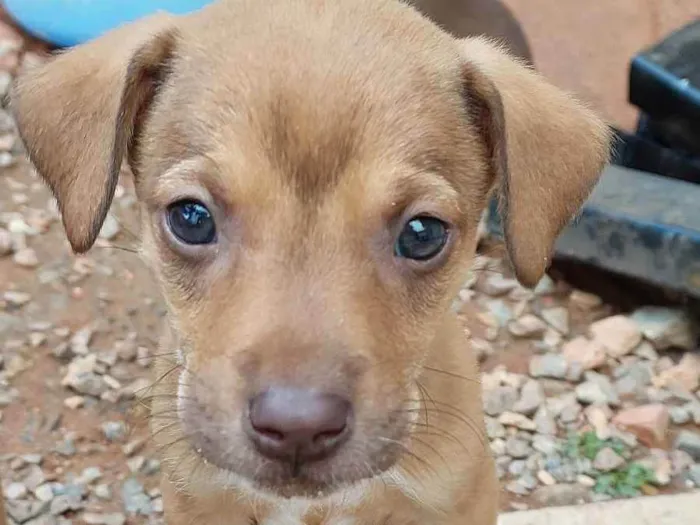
664,83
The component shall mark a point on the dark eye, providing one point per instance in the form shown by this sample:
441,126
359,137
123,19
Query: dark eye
422,238
191,222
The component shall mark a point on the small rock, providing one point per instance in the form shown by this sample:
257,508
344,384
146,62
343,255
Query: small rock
494,429
584,300
44,493
685,375
136,463
548,365
74,402
645,350
499,400
496,285
26,258
680,461
607,460
135,500
114,430
103,491
665,327
15,298
15,491
544,422
547,445
557,318
562,495
618,334
500,311
512,419
598,417
591,393
694,474
133,447
81,339
531,398
649,423
514,487
89,475
110,228
679,415
585,481
590,354
546,286
659,462
689,442
693,410
6,243
23,511
517,448
527,326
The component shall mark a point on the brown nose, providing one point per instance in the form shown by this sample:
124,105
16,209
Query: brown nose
298,425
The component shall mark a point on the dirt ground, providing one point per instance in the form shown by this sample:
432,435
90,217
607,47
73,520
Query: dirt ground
73,446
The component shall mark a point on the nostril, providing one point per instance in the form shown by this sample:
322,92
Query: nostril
301,424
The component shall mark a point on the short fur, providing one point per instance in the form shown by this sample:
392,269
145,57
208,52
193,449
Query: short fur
313,129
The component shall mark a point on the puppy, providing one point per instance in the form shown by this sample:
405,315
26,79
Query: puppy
310,175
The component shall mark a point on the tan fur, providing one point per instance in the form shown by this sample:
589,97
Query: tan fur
313,129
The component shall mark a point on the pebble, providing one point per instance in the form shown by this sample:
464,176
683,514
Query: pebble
134,498
592,392
513,419
531,398
6,243
549,365
689,442
685,375
16,490
557,318
547,445
110,228
517,448
44,492
527,326
26,258
694,474
114,430
499,399
589,354
92,518
665,327
608,460
618,334
74,402
650,423
496,285
585,300
544,422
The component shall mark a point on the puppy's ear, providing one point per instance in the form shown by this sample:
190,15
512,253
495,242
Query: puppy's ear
79,115
546,151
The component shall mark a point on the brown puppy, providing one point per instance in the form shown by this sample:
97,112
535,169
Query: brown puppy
311,174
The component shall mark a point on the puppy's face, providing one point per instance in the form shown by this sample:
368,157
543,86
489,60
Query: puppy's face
309,205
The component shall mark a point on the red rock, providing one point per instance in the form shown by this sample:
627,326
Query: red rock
618,334
685,375
648,422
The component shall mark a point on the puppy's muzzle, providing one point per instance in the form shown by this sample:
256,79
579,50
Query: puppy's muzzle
298,426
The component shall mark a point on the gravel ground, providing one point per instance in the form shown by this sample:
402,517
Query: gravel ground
583,403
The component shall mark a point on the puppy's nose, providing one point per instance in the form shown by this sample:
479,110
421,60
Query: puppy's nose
298,425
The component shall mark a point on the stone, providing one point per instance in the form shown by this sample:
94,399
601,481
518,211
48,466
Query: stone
562,495
599,416
590,354
689,442
496,285
645,350
15,298
649,423
547,445
658,462
517,448
693,410
557,318
679,415
7,245
618,334
531,398
665,327
527,326
680,461
512,419
500,312
91,518
110,228
545,422
500,399
685,375
44,492
134,498
16,490
26,258
591,393
22,511
546,286
114,430
694,474
89,475
585,300
79,342
549,365
608,460
74,402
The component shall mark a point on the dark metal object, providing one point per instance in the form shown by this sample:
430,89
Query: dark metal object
639,225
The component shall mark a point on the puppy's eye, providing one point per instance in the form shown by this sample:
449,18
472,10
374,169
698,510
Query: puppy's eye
421,239
191,222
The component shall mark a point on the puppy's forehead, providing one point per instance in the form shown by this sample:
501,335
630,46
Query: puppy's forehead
307,92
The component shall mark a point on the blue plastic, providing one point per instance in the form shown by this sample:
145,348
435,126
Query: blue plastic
66,23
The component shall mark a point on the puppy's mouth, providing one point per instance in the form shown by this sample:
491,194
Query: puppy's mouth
304,473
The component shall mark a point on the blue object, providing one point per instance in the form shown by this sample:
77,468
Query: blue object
66,23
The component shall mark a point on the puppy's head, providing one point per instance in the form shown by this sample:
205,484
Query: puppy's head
309,199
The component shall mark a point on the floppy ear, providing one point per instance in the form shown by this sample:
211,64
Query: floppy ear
547,151
79,114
